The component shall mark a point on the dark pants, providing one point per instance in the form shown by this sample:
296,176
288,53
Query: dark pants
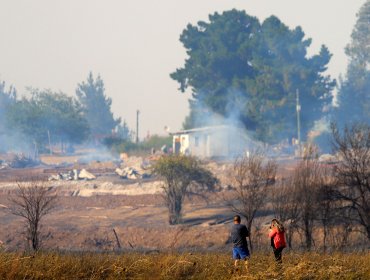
277,253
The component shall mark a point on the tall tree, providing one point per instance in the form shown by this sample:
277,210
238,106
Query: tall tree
307,178
241,69
123,131
354,94
96,106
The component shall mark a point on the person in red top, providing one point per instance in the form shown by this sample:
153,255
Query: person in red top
277,237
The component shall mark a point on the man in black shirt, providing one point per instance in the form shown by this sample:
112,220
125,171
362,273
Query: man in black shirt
239,234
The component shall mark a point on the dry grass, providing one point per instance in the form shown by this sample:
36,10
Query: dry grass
181,266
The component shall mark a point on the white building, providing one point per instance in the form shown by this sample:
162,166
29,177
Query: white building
212,142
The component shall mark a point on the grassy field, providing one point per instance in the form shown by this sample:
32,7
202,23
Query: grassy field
181,266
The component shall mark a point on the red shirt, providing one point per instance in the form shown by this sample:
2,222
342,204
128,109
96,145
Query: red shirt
279,238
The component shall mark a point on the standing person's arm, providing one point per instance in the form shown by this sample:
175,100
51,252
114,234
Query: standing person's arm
272,233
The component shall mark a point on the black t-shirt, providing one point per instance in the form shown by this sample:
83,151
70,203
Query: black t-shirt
239,234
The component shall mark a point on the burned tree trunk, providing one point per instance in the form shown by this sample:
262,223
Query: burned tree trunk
308,177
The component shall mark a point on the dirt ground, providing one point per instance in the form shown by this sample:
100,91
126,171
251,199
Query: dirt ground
87,223
87,211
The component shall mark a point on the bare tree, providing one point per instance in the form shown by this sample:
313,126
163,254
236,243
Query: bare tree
285,203
325,211
251,177
32,202
307,178
352,173
328,213
183,176
343,227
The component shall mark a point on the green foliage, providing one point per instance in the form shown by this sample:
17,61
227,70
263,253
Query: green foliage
123,132
157,142
182,176
96,106
354,93
122,145
118,145
249,71
47,111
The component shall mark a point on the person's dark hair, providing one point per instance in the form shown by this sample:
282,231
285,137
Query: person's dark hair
237,218
278,225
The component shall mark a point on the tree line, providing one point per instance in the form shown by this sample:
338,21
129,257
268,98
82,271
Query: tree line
238,67
48,117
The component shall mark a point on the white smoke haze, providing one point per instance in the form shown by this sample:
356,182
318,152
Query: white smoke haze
97,153
244,140
16,142
204,116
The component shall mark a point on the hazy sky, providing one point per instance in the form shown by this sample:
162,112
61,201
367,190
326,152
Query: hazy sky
134,46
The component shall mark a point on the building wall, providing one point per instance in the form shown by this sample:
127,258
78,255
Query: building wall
198,144
226,142
219,144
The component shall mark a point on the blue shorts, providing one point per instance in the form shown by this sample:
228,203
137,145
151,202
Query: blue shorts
240,253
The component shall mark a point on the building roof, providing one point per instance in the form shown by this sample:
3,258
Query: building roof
203,129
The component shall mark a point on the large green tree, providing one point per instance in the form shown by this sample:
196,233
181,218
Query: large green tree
96,106
249,71
354,93
48,113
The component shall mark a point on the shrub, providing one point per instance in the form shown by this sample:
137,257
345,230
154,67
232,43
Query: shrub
180,173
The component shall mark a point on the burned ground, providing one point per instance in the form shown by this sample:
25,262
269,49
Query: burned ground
87,211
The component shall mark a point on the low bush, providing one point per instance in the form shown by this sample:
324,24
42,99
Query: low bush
117,145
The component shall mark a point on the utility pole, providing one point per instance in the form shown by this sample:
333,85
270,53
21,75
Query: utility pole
298,108
50,151
137,126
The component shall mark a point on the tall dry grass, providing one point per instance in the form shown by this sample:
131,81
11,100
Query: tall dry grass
181,266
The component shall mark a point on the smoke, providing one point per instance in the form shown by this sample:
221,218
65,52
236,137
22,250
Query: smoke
243,141
98,153
320,135
230,113
262,121
15,142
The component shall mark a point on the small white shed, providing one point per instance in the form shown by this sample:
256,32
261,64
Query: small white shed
211,142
